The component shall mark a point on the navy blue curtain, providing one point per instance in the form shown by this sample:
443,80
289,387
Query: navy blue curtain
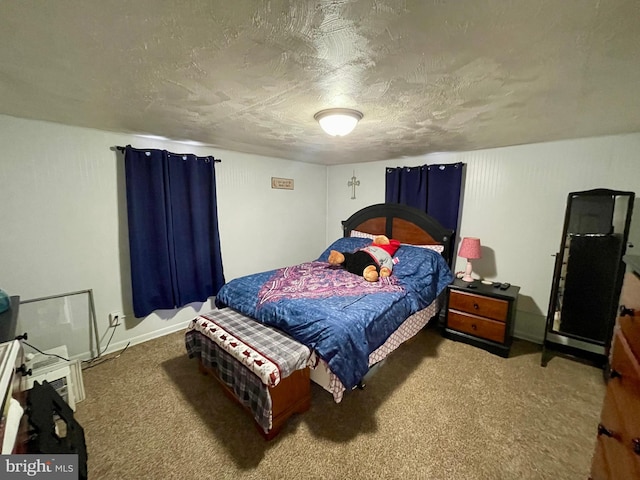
445,185
173,229
407,185
434,189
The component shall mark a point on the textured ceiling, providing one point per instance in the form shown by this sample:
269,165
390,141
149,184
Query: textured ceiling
248,75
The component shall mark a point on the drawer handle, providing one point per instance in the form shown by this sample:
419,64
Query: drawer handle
476,306
602,430
23,370
474,326
635,445
614,374
624,311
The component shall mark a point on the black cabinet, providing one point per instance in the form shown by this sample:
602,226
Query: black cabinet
588,275
482,316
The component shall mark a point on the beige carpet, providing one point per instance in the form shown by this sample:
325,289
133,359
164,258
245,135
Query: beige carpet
436,409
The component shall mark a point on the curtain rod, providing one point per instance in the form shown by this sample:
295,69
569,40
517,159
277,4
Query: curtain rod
122,149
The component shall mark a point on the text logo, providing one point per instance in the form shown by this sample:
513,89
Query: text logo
51,467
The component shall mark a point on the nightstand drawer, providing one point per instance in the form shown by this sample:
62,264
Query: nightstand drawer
479,305
474,325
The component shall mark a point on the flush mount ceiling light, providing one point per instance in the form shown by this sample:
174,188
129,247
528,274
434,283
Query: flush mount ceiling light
338,122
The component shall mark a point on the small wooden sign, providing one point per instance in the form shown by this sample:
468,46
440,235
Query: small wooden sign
282,183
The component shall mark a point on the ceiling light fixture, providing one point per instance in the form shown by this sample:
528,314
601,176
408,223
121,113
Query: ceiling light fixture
338,122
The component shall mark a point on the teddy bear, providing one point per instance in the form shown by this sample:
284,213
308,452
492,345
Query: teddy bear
371,262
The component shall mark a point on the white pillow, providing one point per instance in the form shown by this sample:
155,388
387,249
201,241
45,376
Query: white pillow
358,234
435,248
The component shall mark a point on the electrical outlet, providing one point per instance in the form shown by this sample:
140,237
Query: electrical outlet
115,318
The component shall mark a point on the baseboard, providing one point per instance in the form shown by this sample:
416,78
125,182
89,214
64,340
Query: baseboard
529,326
528,337
115,347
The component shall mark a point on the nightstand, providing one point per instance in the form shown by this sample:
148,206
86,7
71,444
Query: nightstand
481,316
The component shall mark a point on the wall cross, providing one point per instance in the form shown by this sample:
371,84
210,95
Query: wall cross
353,183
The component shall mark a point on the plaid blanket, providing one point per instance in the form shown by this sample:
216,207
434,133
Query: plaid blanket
246,386
267,352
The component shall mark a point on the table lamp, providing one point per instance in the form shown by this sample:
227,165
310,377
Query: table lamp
469,249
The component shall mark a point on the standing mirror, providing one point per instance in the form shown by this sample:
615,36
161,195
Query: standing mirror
588,275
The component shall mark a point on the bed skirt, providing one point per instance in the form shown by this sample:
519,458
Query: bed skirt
322,375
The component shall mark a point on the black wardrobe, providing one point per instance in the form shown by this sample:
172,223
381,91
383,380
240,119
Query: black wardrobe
588,275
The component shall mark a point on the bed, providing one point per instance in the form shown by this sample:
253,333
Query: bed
346,323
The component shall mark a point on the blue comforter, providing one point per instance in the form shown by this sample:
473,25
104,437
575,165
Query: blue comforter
340,315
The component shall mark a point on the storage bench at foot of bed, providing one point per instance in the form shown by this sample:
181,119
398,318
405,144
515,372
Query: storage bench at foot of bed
292,395
261,368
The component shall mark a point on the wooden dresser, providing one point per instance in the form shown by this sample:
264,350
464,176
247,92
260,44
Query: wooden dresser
481,316
617,452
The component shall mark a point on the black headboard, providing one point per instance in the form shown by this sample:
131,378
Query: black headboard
403,223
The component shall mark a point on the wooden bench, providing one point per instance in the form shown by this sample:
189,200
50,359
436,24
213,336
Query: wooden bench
259,367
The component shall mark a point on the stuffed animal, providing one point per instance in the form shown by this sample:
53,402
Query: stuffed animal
371,262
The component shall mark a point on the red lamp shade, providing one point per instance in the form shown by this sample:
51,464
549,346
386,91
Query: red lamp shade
469,249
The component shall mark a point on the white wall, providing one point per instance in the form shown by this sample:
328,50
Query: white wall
514,200
63,213
63,220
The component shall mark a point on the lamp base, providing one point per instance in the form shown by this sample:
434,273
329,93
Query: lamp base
467,273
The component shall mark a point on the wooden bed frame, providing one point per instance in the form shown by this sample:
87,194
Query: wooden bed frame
406,224
410,226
